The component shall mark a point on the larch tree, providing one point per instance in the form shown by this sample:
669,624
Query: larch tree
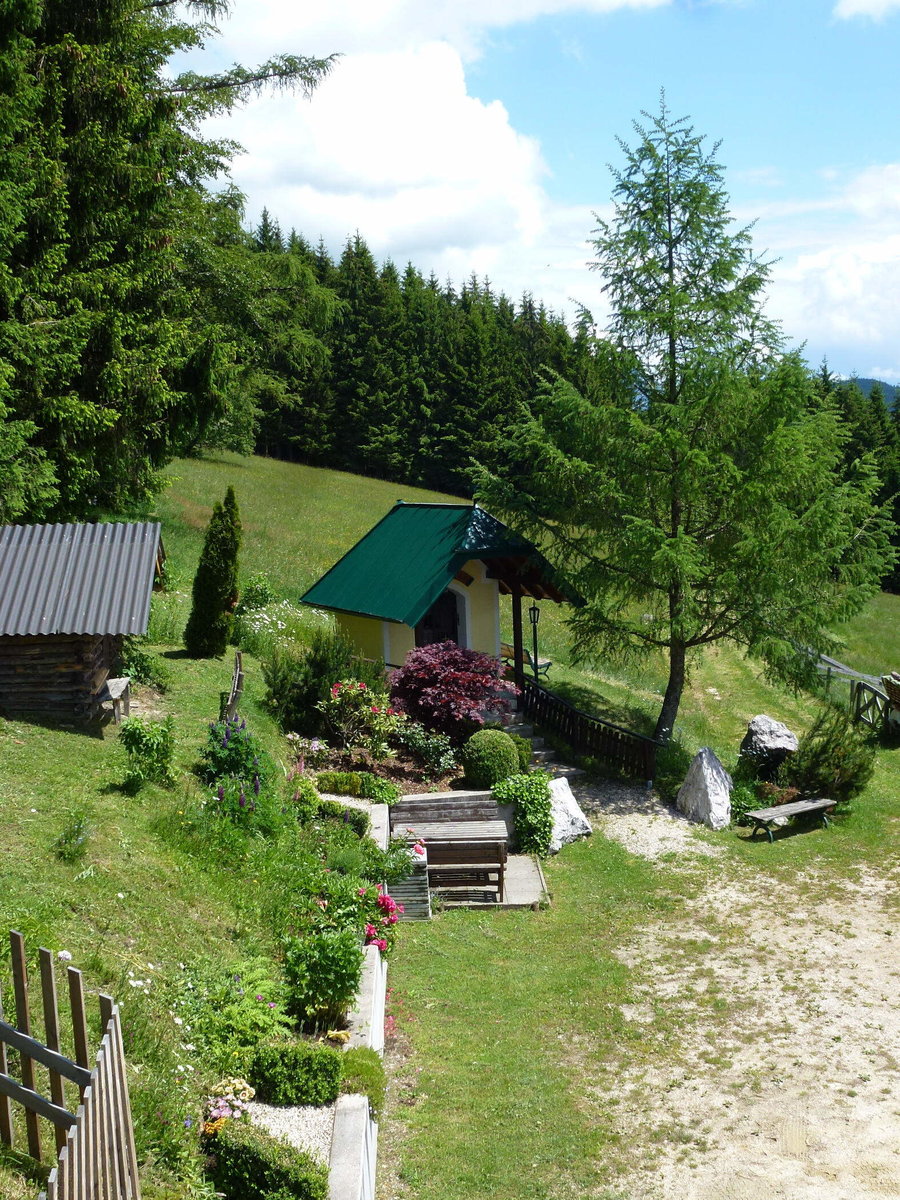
702,495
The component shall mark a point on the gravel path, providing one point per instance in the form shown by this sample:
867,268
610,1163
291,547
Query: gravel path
303,1126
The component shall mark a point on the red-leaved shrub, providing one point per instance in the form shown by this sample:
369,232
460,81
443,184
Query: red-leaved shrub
449,689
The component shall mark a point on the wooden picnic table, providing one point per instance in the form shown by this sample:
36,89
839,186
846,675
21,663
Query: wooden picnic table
458,831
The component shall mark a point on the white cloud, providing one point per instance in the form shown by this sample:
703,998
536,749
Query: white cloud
876,9
261,27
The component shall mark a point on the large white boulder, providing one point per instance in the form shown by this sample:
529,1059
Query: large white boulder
569,822
705,794
767,743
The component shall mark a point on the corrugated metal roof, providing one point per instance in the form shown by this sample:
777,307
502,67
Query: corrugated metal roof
403,564
76,579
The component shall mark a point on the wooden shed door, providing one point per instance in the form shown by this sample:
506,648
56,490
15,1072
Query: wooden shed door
440,623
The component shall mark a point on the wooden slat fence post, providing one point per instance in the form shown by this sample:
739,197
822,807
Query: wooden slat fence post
51,1034
23,1023
6,1121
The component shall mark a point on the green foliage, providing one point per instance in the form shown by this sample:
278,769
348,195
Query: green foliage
252,807
233,751
305,798
150,750
140,664
356,818
433,751
524,749
700,495
323,972
672,763
357,716
489,756
297,683
378,790
229,1010
256,593
340,783
835,758
363,1073
215,594
745,799
286,1073
247,1163
533,814
72,843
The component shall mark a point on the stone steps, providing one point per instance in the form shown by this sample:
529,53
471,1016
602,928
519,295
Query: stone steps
412,892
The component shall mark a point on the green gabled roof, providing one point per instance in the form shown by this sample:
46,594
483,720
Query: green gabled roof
402,565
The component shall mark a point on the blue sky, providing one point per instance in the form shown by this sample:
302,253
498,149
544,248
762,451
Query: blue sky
474,136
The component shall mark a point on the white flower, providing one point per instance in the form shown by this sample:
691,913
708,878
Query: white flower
178,1020
64,956
120,895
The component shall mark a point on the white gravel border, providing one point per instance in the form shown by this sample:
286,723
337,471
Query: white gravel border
305,1126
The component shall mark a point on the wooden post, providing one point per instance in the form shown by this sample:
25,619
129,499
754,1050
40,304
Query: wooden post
23,1023
6,1120
518,645
51,1031
79,1024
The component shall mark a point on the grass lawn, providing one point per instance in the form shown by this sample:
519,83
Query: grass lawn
513,1023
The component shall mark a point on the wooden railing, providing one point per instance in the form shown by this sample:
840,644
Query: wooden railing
95,1143
868,704
629,752
229,701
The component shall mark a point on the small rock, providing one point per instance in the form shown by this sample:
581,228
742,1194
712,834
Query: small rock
569,822
705,794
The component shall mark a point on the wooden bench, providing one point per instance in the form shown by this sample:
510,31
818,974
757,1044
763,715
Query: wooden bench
412,812
117,692
508,654
465,871
765,818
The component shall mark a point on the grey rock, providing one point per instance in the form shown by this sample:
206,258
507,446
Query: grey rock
705,794
767,743
569,822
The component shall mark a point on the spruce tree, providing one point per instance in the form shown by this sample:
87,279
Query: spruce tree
215,593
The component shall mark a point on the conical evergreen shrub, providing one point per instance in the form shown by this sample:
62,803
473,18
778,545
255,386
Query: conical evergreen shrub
215,592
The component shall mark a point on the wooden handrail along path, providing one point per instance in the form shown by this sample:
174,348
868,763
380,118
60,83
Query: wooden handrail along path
629,752
868,703
95,1143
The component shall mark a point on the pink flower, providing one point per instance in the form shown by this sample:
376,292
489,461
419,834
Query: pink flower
259,997
370,931
362,687
362,891
381,944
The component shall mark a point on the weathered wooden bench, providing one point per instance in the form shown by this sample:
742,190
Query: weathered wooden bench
464,871
117,692
440,808
765,818
508,654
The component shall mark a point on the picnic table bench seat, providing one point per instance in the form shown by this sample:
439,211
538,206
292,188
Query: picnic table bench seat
765,818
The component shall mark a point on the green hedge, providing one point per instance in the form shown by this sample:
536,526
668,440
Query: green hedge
358,783
364,1073
247,1164
357,818
489,756
295,1073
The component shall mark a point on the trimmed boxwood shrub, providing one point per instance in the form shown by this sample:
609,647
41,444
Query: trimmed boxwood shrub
340,783
357,818
489,756
364,1074
305,799
247,1164
295,1073
533,814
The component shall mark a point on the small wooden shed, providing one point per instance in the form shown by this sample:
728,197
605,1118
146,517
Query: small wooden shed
68,595
432,573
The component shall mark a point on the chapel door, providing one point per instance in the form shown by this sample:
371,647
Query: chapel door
440,623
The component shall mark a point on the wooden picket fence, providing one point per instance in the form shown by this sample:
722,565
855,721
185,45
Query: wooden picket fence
96,1157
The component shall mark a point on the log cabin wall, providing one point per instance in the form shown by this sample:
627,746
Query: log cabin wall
58,676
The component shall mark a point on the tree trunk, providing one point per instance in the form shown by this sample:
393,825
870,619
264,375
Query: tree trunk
672,698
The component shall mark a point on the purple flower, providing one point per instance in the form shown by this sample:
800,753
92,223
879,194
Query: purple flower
188,1122
221,792
256,785
259,997
242,800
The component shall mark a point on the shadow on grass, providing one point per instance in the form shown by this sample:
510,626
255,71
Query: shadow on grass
597,704
93,729
24,1165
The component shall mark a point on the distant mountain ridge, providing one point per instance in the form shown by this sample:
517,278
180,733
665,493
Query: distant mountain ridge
891,390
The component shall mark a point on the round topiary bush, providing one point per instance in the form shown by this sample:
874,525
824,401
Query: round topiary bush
489,756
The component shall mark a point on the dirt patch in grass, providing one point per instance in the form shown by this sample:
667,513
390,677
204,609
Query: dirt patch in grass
775,1006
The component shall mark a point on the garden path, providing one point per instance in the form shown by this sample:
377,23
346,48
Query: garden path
774,1002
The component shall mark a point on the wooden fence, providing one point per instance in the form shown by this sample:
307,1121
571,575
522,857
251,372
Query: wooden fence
228,701
96,1157
869,704
629,752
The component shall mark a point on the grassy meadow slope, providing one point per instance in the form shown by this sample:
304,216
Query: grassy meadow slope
140,896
